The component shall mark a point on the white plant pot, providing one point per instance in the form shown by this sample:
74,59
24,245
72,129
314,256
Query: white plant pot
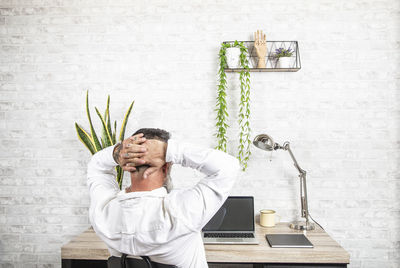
233,57
285,62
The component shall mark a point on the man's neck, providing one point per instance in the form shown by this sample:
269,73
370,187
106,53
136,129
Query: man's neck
142,185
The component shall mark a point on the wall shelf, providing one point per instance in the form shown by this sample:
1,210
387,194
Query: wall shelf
271,62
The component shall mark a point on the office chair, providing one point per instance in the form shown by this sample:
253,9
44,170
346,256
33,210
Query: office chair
144,262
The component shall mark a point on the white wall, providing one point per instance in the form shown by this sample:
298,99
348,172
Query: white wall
340,111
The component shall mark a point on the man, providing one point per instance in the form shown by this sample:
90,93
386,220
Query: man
146,220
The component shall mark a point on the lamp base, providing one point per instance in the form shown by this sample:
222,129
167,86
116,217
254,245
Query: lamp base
302,225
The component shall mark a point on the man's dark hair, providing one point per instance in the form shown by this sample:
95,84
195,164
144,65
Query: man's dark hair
154,134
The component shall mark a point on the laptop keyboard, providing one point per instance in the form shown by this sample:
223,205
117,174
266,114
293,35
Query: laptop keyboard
229,235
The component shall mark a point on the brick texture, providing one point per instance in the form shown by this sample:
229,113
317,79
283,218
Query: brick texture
340,111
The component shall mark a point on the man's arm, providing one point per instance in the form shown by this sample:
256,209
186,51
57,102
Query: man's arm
196,206
101,173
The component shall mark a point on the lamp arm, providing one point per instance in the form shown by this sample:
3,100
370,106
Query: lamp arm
303,184
286,147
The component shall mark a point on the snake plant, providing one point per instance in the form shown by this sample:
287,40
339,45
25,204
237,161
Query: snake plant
109,134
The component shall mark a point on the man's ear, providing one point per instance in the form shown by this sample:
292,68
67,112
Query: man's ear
166,167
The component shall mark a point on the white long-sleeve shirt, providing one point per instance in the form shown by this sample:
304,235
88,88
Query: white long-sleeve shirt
164,226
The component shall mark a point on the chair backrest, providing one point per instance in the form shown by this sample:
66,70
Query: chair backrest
126,262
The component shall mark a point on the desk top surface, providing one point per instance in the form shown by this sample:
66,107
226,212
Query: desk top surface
326,250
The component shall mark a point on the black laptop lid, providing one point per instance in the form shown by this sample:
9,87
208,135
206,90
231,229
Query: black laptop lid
236,214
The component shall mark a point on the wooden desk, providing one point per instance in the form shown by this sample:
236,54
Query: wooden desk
326,251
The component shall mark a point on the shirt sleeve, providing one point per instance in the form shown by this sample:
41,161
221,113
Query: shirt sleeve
196,206
101,176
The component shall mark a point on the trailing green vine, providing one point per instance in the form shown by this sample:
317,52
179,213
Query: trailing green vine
244,109
222,112
244,106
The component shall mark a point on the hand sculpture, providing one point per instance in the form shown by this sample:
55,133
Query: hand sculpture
260,44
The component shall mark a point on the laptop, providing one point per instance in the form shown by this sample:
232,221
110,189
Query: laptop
233,223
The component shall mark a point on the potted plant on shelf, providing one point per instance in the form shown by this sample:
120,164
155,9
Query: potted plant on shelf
232,54
284,58
109,135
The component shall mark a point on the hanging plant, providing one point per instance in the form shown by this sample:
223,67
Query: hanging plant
222,112
244,106
109,135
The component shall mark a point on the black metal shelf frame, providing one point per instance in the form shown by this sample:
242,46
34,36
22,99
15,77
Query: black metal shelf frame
271,60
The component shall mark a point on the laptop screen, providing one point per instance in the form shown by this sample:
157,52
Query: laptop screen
236,214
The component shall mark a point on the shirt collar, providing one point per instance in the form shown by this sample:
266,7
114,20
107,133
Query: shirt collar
159,192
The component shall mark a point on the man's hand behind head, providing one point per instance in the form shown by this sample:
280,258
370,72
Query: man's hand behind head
128,154
155,156
138,152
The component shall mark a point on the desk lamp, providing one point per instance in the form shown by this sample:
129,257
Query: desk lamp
265,142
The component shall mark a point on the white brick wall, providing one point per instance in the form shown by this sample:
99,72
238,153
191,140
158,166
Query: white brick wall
340,111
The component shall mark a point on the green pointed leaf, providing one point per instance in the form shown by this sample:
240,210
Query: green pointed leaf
120,176
114,135
85,138
103,142
107,139
96,142
107,107
108,118
123,127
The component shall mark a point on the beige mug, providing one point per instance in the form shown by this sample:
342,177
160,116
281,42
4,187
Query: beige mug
268,218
